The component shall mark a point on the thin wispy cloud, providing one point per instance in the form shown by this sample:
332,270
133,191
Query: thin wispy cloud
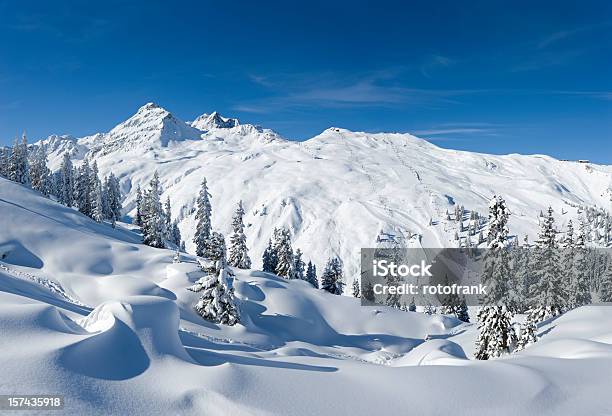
373,89
458,130
435,62
560,35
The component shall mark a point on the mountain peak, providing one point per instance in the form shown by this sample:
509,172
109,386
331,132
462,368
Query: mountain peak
214,121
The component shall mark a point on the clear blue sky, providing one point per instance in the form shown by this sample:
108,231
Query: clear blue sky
491,76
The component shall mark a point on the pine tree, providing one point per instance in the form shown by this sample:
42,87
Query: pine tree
412,306
494,318
40,174
270,260
66,185
357,289
605,287
332,277
176,234
298,265
203,218
284,253
83,189
461,311
368,292
547,293
311,275
18,167
579,288
4,162
98,208
138,220
152,215
113,196
217,302
214,247
238,250
528,333
494,332
168,219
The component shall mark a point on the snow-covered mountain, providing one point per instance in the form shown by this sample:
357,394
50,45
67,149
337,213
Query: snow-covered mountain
338,191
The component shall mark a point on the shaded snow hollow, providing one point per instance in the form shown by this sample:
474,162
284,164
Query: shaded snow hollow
114,330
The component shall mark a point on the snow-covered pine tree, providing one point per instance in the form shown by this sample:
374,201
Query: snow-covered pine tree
332,277
217,303
357,289
579,288
311,275
368,292
65,193
238,250
98,206
214,247
203,218
139,207
175,234
298,265
40,175
152,214
528,333
269,258
4,161
284,253
18,166
83,189
547,293
412,306
461,311
605,286
114,197
495,332
168,219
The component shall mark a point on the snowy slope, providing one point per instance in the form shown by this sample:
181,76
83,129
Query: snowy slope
337,191
87,311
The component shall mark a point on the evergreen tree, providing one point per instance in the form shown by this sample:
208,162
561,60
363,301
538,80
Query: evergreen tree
168,219
605,287
284,253
176,234
113,196
98,207
547,293
66,184
332,277
311,275
203,218
40,174
217,302
4,162
528,333
494,332
138,220
368,292
18,167
238,250
461,311
579,288
298,265
412,306
83,189
270,260
357,289
214,247
494,318
152,215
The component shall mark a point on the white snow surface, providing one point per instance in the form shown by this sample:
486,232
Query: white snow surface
89,312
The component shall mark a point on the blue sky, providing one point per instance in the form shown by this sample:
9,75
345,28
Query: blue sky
490,76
